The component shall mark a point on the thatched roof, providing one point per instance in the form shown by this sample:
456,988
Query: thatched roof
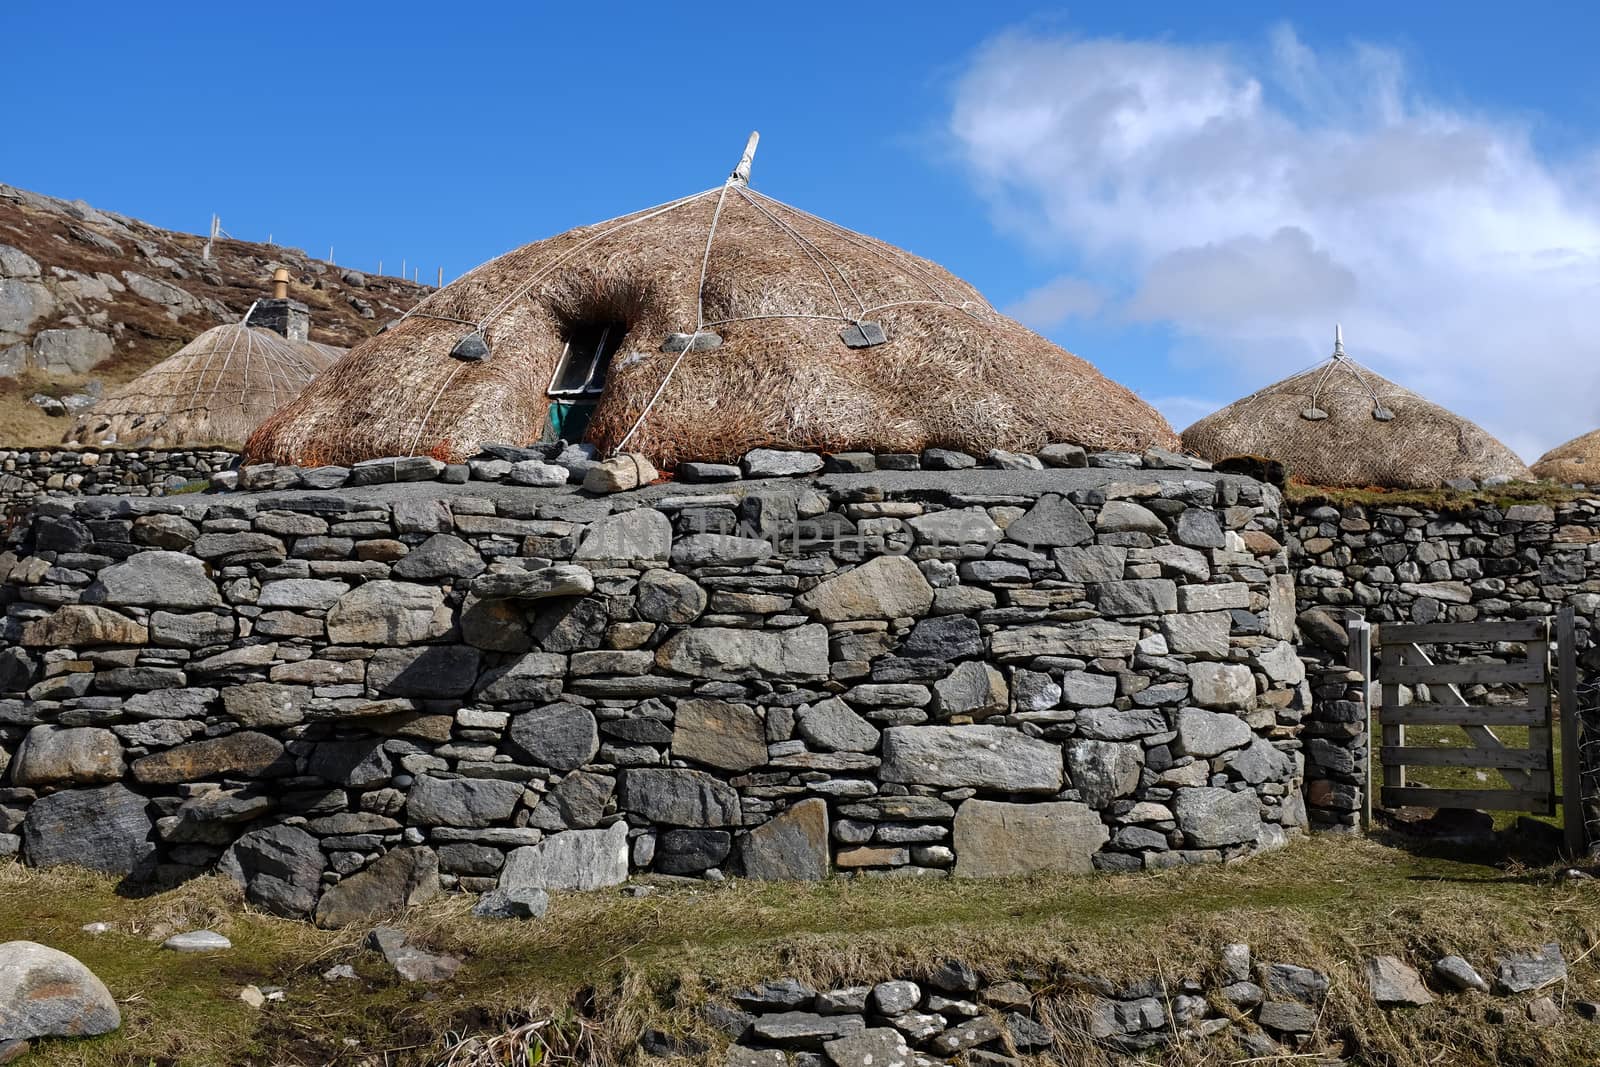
1575,463
1339,424
777,286
213,391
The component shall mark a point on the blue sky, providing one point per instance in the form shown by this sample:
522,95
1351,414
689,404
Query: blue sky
1186,196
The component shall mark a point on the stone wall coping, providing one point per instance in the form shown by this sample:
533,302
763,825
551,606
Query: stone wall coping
1022,483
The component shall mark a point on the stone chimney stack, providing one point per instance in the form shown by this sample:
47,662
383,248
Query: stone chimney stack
281,314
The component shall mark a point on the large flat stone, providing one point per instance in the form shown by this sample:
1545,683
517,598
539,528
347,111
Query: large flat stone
61,755
1216,818
400,878
724,654
440,556
1089,639
643,533
831,725
1222,685
678,797
426,671
1141,596
793,846
885,587
731,737
1052,522
980,757
155,580
576,859
83,626
106,829
388,613
1204,733
995,840
246,753
472,802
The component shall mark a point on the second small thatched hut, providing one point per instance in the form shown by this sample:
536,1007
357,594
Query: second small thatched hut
1340,424
214,390
1575,463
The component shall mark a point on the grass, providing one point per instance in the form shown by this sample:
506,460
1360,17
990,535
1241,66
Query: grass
602,966
1471,777
1447,501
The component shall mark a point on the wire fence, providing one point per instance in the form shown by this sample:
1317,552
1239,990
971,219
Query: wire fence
1588,755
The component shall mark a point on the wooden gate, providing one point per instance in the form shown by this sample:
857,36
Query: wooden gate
1528,771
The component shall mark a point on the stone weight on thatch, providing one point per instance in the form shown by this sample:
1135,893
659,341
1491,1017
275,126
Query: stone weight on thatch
791,296
1340,424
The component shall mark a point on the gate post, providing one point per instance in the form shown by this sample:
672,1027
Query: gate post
1571,752
1360,661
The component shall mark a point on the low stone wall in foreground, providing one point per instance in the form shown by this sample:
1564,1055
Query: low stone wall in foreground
350,698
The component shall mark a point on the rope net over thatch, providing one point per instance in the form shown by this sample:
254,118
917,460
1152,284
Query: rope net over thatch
777,286
1339,424
1575,463
213,391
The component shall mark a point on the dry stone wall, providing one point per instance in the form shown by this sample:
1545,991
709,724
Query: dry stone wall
1405,564
28,474
349,699
1396,563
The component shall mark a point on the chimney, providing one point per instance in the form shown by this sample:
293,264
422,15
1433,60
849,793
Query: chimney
281,314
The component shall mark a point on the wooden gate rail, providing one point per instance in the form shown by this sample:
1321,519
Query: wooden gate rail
1528,771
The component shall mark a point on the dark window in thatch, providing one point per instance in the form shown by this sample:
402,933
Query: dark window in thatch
589,348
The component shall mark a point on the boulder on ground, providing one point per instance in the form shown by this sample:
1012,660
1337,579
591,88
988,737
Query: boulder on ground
46,993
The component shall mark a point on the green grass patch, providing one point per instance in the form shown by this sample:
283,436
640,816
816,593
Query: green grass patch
1447,501
604,965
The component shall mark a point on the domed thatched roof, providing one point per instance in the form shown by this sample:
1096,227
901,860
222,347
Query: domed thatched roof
213,391
776,285
1340,424
1576,462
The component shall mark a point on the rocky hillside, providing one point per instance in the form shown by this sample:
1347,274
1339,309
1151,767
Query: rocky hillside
90,296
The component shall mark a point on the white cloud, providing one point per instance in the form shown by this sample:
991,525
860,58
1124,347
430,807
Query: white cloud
1248,198
1056,301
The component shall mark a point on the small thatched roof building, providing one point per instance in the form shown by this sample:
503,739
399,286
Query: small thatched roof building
1575,463
214,390
804,335
1339,424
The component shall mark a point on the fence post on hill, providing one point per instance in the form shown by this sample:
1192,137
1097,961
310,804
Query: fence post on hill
1359,659
1571,753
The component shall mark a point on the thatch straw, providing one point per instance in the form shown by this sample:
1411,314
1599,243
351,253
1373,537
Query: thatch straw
1575,463
779,285
213,391
1420,447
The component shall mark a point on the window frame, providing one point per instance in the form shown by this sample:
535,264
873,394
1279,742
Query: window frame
598,358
